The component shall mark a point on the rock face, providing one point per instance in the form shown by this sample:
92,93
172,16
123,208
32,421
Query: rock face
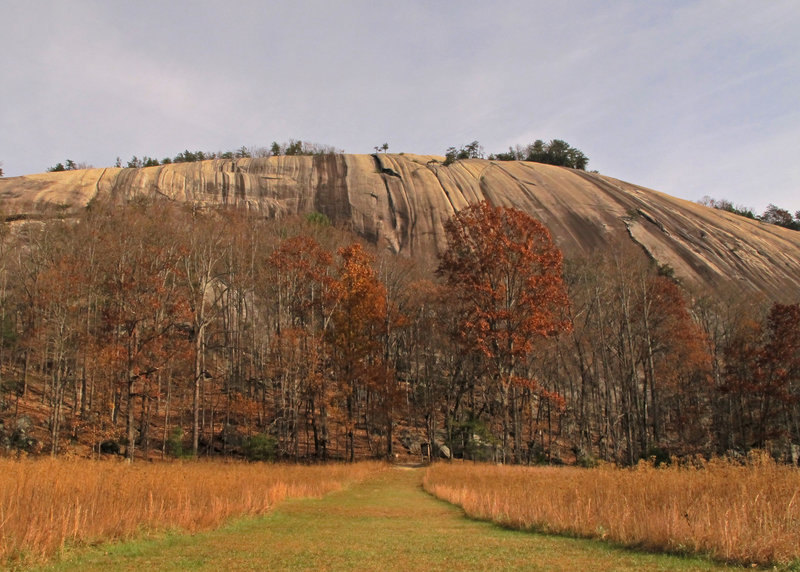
400,202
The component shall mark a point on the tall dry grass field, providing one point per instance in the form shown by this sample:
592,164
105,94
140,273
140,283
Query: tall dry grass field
746,514
47,503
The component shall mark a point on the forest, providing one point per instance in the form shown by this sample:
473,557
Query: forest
149,328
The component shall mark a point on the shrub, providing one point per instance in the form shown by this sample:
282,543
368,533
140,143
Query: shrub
318,219
260,447
175,443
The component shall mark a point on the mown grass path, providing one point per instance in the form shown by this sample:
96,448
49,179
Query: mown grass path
387,523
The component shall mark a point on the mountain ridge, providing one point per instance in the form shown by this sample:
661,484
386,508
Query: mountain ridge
400,202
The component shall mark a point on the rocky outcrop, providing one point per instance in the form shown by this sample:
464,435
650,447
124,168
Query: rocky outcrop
400,202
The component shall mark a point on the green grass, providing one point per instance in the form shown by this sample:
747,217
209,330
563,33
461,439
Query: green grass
387,523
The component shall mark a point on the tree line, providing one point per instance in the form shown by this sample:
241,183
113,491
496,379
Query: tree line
158,328
773,214
554,152
292,147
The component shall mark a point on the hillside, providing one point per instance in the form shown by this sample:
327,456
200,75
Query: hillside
400,203
149,328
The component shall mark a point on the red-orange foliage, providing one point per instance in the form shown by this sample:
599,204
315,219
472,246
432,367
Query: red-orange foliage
762,378
303,278
780,356
360,311
305,295
506,273
358,321
779,372
150,320
503,266
140,272
678,364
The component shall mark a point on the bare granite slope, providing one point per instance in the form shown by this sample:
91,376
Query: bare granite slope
401,201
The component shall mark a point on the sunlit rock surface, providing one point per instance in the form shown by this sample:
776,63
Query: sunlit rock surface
400,202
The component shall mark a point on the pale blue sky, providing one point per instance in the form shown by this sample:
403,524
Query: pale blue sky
691,98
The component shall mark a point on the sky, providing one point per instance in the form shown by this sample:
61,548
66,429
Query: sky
690,98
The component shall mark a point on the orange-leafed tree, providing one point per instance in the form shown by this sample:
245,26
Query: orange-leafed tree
59,306
503,267
143,306
304,303
741,383
779,361
358,321
677,367
762,380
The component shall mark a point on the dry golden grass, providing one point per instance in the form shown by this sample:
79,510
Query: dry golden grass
47,503
745,514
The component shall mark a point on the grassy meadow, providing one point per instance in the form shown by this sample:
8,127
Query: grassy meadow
742,514
384,523
47,504
53,511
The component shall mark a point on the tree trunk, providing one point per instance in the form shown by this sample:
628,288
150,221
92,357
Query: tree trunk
198,376
131,423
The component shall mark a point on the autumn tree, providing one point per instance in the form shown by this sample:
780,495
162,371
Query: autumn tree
677,367
55,289
779,370
144,305
636,369
46,312
238,330
740,382
7,334
200,269
504,269
397,276
304,303
358,320
444,380
760,386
